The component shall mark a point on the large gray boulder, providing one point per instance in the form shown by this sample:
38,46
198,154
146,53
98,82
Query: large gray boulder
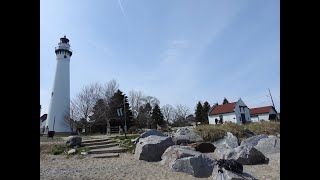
176,152
151,132
219,153
246,155
228,141
186,136
252,141
73,141
229,175
147,133
198,166
152,147
269,145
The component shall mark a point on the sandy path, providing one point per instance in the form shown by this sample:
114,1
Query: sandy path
125,167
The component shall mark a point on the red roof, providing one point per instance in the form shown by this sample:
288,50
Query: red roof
224,108
260,110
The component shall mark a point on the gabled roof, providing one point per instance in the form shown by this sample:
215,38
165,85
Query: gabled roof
222,109
261,110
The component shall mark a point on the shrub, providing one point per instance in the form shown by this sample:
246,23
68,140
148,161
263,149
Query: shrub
57,149
214,132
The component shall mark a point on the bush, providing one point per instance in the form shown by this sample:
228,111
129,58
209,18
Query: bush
57,149
132,129
214,132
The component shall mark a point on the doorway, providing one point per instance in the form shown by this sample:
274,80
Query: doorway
243,119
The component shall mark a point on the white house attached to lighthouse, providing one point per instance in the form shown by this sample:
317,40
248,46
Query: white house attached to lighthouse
60,96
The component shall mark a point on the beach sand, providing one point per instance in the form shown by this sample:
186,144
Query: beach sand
127,168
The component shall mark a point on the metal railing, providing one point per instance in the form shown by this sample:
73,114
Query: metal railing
63,47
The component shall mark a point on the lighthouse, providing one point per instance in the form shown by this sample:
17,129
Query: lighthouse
60,95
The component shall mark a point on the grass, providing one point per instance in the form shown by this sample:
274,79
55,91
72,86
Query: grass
126,142
215,132
58,149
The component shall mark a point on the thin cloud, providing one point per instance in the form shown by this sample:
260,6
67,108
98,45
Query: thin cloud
122,10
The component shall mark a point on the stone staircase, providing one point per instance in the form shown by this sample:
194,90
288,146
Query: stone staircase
103,148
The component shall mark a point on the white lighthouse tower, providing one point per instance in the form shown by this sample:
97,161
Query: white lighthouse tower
60,96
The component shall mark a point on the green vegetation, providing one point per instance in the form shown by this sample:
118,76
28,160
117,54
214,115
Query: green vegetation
57,149
126,143
215,132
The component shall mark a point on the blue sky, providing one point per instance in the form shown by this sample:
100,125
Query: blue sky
180,51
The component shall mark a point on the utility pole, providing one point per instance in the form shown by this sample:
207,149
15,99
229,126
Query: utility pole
124,114
271,98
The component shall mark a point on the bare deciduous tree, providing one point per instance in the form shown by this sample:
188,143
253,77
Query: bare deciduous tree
151,100
168,112
86,99
110,88
180,113
70,116
135,99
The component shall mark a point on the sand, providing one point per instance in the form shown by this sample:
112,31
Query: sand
127,168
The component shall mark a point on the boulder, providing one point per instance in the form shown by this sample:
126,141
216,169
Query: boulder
151,132
147,133
186,136
229,175
230,165
73,141
219,153
246,155
198,166
228,141
269,145
203,147
152,147
252,141
176,152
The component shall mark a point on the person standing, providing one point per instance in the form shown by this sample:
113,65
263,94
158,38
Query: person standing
43,129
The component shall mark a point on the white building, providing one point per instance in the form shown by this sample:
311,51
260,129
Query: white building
265,113
236,112
60,96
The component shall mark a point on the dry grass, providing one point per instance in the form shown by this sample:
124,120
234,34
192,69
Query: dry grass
215,132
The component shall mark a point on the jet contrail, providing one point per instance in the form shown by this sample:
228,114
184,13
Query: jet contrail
122,10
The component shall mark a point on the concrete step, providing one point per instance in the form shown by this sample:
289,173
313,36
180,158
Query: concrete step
109,155
102,146
95,140
107,150
98,143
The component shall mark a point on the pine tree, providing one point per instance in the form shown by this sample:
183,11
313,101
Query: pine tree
117,102
225,101
143,119
98,119
199,111
157,116
205,111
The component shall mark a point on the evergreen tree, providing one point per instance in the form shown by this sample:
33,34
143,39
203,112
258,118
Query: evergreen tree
99,117
225,101
118,101
199,111
205,111
157,116
144,117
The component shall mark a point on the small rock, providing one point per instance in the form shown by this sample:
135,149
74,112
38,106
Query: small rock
71,151
84,153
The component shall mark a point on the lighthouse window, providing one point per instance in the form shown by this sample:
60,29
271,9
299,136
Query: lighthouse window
65,56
